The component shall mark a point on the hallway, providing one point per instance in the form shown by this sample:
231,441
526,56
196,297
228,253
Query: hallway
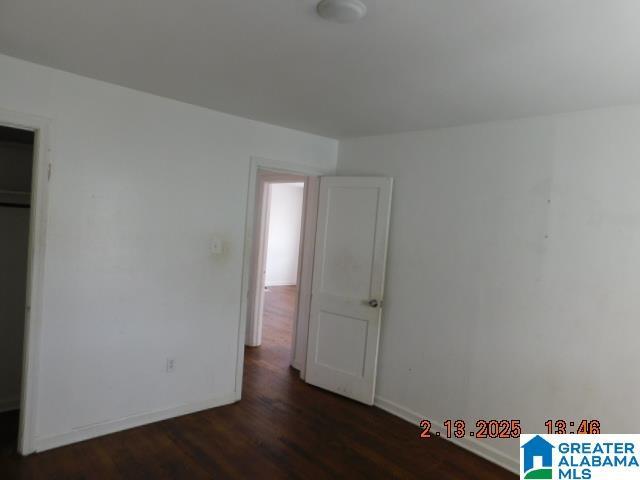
277,323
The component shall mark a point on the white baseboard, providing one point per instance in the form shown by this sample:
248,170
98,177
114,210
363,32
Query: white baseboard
10,403
281,284
475,446
111,426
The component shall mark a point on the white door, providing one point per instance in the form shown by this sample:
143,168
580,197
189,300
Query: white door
348,285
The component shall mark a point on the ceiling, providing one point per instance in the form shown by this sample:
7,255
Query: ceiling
409,65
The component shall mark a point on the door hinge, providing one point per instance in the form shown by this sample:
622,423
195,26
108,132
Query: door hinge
49,172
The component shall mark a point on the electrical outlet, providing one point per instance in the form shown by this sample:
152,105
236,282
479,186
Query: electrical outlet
171,365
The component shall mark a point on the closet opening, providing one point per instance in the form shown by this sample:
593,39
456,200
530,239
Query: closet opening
17,148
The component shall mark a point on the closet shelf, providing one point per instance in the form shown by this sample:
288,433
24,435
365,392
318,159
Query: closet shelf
14,192
12,198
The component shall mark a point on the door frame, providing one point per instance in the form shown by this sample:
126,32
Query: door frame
305,274
250,237
35,270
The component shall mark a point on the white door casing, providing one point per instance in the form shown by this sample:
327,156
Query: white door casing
348,285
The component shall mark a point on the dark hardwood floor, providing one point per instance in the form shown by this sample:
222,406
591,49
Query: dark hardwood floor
282,428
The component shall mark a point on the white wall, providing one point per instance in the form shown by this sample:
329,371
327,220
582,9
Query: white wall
14,236
139,186
285,220
514,271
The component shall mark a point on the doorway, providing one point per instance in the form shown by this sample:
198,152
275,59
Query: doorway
32,198
17,148
251,296
282,238
277,265
341,279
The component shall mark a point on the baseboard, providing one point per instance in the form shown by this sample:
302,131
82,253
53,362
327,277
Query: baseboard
474,446
112,426
10,403
280,284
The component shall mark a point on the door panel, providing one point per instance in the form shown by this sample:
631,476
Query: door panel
345,353
349,268
346,266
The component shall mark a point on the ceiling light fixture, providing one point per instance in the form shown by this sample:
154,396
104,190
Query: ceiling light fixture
342,11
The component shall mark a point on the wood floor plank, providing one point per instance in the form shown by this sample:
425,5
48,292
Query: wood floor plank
282,428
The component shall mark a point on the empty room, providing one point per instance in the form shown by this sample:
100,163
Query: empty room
319,239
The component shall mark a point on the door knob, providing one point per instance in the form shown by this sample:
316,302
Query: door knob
373,303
